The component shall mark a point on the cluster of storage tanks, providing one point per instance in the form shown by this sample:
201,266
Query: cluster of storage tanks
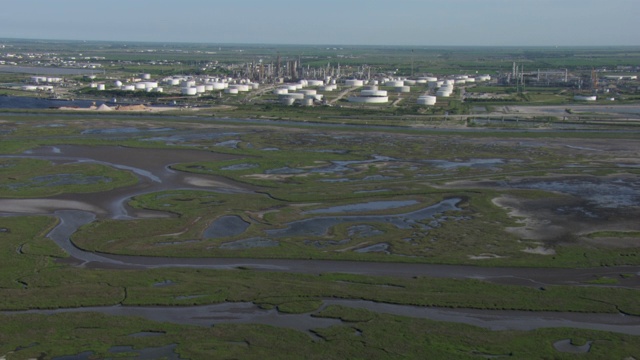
190,86
441,88
305,97
139,86
37,88
370,94
45,79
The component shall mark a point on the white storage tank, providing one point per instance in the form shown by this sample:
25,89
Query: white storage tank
140,86
287,101
117,83
128,87
145,76
188,83
200,89
327,88
426,100
369,100
219,85
296,96
443,93
231,90
353,82
373,93
585,98
101,87
402,89
308,92
394,83
280,91
208,87
159,89
409,82
174,82
189,91
315,82
306,102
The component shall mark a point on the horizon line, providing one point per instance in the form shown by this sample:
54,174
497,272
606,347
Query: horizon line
301,44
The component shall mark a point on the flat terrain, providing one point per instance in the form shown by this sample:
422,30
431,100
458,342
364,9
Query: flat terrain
500,222
311,229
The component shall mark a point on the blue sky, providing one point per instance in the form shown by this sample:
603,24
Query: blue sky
341,22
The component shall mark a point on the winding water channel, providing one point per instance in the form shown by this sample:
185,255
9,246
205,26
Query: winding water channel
152,168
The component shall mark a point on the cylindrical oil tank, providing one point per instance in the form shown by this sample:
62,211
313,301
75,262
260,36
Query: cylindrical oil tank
426,100
287,101
280,91
200,89
373,93
297,96
408,82
308,91
208,87
369,99
145,76
101,87
402,89
128,87
307,101
189,90
230,90
353,82
140,86
394,83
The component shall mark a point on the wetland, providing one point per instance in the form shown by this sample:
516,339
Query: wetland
327,237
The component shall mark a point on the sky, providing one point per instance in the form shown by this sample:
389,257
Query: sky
338,22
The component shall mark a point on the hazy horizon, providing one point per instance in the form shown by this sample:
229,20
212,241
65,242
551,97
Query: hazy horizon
468,23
